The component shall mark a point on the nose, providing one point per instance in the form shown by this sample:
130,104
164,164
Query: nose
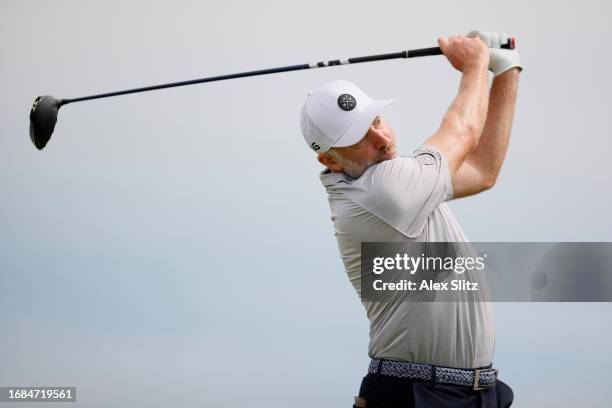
378,139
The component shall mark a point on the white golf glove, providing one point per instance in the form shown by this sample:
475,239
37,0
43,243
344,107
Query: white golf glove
500,59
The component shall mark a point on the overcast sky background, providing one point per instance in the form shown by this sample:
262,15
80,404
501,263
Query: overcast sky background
175,248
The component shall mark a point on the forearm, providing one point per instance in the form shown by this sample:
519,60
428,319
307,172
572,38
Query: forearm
463,123
468,112
489,155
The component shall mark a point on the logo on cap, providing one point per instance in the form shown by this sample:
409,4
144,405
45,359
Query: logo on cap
315,146
347,102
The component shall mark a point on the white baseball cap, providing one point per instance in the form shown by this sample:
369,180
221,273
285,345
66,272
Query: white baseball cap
338,114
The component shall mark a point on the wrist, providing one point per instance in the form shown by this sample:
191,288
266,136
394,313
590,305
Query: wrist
477,67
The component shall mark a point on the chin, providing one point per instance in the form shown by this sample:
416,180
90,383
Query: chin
389,156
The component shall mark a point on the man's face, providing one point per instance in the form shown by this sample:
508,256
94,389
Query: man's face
376,146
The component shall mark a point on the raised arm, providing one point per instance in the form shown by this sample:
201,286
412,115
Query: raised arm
464,121
480,169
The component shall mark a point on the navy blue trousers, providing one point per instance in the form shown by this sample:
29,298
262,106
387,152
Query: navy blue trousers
381,391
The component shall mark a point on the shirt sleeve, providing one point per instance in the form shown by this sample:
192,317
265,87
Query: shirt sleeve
404,191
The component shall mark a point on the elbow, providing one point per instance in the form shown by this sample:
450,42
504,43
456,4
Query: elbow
489,182
467,132
467,137
471,132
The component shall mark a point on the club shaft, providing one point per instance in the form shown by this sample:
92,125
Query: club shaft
422,52
380,57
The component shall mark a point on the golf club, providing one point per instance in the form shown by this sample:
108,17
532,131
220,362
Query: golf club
43,115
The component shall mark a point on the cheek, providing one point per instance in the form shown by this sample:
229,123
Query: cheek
356,155
390,133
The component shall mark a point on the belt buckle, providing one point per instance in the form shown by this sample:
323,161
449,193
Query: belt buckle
477,386
477,380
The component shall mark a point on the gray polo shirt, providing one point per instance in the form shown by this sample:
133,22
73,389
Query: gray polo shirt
402,200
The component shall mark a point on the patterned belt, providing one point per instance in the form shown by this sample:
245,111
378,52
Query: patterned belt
477,379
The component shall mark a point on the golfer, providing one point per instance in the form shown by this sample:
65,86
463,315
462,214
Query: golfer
424,354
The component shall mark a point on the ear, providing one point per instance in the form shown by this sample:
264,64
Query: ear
330,162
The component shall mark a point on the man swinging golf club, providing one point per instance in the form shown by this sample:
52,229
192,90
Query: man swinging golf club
424,354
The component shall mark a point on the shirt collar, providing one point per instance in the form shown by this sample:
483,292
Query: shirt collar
329,178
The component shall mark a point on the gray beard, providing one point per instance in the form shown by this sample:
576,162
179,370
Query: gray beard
353,168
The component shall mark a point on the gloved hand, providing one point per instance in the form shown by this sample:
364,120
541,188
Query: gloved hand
500,59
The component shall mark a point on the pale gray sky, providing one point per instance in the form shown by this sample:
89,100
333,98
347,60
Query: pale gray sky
175,247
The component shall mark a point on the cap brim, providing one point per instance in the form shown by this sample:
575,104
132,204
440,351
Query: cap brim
358,129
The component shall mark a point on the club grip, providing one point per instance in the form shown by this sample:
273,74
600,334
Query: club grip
425,52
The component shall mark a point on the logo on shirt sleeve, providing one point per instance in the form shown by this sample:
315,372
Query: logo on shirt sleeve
426,157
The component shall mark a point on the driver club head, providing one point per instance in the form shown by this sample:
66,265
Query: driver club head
42,119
